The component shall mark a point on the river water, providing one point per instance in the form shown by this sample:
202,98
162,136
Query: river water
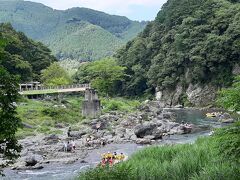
69,171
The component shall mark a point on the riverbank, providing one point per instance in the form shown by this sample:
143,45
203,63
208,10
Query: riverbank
215,157
147,125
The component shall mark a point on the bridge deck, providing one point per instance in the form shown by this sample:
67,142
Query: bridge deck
62,89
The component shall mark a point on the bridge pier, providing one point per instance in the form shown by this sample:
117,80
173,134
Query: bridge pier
91,105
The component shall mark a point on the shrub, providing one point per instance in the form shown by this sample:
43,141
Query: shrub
228,142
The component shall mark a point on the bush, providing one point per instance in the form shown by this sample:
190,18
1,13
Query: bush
120,172
228,142
119,104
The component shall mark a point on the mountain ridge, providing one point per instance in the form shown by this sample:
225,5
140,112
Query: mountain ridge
41,23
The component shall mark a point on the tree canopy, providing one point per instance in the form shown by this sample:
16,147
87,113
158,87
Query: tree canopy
105,75
230,98
190,41
55,75
9,122
22,56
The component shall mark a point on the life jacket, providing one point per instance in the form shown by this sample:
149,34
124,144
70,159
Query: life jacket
109,155
118,157
122,157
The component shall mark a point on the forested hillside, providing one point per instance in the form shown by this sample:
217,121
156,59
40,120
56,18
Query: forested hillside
76,33
22,56
190,51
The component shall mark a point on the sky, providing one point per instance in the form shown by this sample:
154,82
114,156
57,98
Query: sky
133,9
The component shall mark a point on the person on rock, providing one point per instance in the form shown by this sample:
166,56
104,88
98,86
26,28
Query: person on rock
114,155
65,147
122,157
73,144
69,131
98,126
69,146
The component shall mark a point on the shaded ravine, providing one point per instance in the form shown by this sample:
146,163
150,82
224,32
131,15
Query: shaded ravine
58,171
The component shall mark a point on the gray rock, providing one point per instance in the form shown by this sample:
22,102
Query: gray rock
187,129
150,137
53,138
32,160
236,69
77,134
143,141
59,125
227,120
157,134
168,115
144,130
178,106
195,94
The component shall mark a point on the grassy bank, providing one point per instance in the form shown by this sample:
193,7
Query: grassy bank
43,115
119,104
215,158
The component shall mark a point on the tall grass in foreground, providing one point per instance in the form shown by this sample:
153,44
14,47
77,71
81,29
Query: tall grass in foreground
203,160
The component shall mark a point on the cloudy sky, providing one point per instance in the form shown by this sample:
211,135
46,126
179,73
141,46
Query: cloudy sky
133,9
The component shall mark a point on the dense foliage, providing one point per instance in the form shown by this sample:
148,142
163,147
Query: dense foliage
22,56
9,122
76,33
230,98
190,41
214,157
104,75
55,75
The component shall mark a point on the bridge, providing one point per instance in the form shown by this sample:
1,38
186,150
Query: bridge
39,90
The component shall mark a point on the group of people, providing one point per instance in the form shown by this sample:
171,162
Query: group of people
69,146
214,114
109,159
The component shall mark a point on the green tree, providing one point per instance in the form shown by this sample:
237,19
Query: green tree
230,98
22,56
9,122
104,75
189,42
55,75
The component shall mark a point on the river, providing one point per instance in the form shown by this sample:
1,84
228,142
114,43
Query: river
69,171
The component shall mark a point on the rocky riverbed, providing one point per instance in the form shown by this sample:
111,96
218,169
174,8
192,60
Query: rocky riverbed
151,124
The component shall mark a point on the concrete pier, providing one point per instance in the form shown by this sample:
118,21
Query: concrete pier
91,105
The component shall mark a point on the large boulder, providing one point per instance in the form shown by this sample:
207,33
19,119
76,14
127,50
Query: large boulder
143,130
52,139
32,160
157,134
77,134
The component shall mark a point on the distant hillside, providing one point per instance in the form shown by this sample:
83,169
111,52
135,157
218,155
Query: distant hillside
77,33
22,56
191,50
